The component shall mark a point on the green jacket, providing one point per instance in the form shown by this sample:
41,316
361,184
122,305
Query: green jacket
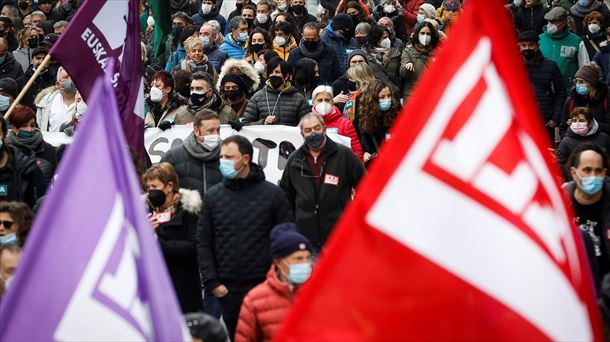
562,48
419,60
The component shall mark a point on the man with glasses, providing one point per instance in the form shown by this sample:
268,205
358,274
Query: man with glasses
319,179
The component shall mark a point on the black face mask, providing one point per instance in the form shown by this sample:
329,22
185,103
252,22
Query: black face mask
298,9
23,5
250,23
257,47
40,37
198,99
156,198
276,82
233,94
528,54
239,6
311,45
355,19
33,42
361,40
348,33
315,140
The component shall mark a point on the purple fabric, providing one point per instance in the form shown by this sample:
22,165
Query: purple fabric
102,31
91,269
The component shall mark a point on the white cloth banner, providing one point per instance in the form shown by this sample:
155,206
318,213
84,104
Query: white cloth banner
272,144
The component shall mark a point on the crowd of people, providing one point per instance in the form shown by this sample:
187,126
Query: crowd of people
236,246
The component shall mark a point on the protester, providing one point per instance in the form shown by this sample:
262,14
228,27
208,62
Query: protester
179,54
394,40
196,60
233,92
234,226
163,103
530,16
359,76
283,39
383,59
306,77
339,35
342,85
44,79
8,93
265,306
7,32
209,35
242,67
361,32
402,19
311,46
9,67
416,56
263,15
581,9
209,11
299,13
16,219
28,40
61,106
602,58
449,12
592,38
236,41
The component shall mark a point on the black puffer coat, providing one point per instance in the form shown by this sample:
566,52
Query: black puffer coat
531,18
290,106
233,230
22,177
548,87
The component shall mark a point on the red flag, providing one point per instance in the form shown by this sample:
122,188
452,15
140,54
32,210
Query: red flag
460,231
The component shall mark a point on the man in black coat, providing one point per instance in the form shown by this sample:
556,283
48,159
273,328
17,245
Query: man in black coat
44,79
546,80
9,67
234,225
312,47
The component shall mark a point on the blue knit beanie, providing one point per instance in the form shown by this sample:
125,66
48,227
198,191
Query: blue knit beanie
286,239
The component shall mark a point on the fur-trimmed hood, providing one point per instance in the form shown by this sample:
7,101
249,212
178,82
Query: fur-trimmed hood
190,200
246,69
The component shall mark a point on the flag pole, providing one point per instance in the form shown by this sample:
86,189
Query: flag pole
27,86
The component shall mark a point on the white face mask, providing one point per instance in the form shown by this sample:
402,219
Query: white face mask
386,43
551,28
156,94
323,108
150,21
259,67
211,141
280,40
389,8
262,18
594,28
206,8
424,39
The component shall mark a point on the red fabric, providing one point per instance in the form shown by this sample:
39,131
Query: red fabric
335,119
315,166
263,310
410,10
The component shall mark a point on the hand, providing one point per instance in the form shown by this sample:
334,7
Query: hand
220,291
341,98
270,120
165,125
551,124
153,220
366,156
409,66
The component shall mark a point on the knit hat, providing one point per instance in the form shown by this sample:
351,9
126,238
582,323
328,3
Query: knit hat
342,21
528,36
8,86
235,78
356,52
285,240
588,73
429,9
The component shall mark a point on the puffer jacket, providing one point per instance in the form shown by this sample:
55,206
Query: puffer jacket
572,140
177,241
548,85
233,48
420,62
264,309
327,62
196,167
336,122
216,56
176,58
341,46
233,230
284,51
318,209
10,67
531,18
389,71
288,105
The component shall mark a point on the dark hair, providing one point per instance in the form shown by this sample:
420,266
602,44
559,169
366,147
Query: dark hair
250,7
284,66
201,75
182,82
165,77
268,55
587,112
369,113
186,32
183,16
574,159
375,34
312,26
303,72
265,35
243,144
205,114
3,127
8,23
21,215
21,115
283,26
434,38
264,3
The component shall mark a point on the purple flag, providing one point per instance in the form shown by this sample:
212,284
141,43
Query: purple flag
91,269
104,31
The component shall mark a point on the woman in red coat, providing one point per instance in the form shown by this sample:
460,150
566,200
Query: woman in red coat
265,306
322,100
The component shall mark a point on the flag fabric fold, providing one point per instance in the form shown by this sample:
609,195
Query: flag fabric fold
163,25
460,231
91,269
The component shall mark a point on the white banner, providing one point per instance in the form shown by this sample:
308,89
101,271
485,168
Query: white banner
272,144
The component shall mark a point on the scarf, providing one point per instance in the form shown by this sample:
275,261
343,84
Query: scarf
382,55
195,150
582,12
213,102
311,54
34,143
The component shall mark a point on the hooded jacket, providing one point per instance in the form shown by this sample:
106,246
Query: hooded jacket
288,105
233,48
200,18
335,121
196,167
341,46
247,70
233,230
572,140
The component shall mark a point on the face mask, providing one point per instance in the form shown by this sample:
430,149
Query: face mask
361,40
386,43
517,3
176,30
68,87
210,142
262,18
551,28
424,39
23,5
243,36
582,89
205,41
280,40
150,21
240,6
594,28
282,7
276,82
5,102
298,9
583,3
591,185
315,140
9,239
257,47
156,94
232,94
310,45
579,128
323,108
33,42
156,198
206,8
385,104
420,18
528,54
259,67
227,168
299,273
21,134
389,9
198,98
250,23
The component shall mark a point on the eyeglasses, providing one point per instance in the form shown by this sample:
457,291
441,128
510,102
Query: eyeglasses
6,224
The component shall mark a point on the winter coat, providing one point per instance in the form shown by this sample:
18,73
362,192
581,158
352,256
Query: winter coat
340,85
301,21
410,8
599,108
216,56
288,105
44,80
531,18
572,140
342,47
197,168
328,62
562,48
336,122
233,230
178,245
318,209
45,154
420,62
263,310
371,141
578,14
252,78
228,113
284,51
398,19
233,48
176,58
547,82
170,113
21,177
602,59
23,56
589,46
200,18
388,71
10,67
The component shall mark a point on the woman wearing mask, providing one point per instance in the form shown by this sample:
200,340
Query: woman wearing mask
589,91
196,60
355,10
162,102
583,128
322,98
342,86
240,66
590,44
449,12
359,76
173,216
28,40
425,11
306,77
16,219
416,55
376,113
232,89
383,59
259,41
582,8
261,66
283,40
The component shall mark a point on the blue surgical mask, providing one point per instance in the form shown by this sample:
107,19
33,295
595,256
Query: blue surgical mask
420,18
243,36
282,7
5,102
9,239
205,41
591,185
582,89
299,273
227,168
385,104
583,3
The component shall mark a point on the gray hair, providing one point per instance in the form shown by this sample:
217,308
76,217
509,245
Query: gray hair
59,73
311,116
388,19
59,24
234,23
322,89
39,14
215,29
363,28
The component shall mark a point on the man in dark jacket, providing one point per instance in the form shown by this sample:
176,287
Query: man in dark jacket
546,80
318,179
209,11
339,35
311,46
299,13
44,79
234,226
9,67
530,16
